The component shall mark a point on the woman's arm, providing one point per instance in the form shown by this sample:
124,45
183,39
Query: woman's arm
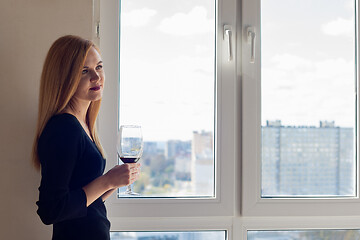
58,149
107,194
118,176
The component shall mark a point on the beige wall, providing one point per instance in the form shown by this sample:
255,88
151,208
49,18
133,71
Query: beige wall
27,29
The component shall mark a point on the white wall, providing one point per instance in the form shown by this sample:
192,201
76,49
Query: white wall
27,29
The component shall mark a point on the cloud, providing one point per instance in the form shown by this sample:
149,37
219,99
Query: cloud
182,24
290,62
178,91
339,27
137,18
302,91
350,5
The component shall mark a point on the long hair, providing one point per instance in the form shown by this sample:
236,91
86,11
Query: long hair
59,80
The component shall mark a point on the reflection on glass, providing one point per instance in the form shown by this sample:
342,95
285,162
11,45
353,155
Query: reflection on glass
167,85
198,235
304,235
308,103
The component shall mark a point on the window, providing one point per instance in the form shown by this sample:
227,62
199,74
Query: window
304,123
199,235
304,234
168,86
308,94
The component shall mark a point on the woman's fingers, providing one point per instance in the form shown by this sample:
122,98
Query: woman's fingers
135,172
134,165
125,174
134,169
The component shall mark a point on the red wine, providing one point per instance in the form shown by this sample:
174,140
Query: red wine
129,159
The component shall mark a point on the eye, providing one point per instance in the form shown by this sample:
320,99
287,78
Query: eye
84,71
99,67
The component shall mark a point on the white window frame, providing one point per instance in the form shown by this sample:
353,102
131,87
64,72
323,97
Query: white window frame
253,204
296,223
238,206
226,192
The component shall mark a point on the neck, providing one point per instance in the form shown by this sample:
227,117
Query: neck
78,108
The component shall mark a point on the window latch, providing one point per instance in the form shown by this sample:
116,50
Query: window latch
97,29
227,36
251,35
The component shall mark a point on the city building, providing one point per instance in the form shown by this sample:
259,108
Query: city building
202,163
307,160
174,148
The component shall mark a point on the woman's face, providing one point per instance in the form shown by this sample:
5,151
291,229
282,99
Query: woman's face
92,78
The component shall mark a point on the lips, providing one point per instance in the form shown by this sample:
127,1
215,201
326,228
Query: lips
96,88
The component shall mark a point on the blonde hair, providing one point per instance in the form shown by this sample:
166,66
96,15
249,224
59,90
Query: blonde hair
59,80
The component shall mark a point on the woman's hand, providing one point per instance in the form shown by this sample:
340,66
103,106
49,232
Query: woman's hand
123,175
118,176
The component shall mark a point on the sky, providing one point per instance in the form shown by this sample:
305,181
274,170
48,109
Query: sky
167,67
308,62
167,64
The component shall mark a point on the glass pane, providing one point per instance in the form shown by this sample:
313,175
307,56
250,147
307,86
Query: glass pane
304,235
167,85
308,101
203,235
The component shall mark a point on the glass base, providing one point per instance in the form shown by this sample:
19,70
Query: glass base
128,193
131,193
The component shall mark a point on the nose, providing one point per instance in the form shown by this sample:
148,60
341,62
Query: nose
94,76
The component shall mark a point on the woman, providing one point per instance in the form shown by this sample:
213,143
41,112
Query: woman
67,148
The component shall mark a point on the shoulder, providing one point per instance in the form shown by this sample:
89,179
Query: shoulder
63,120
62,127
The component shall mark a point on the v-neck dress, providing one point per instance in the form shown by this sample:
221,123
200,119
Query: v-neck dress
69,161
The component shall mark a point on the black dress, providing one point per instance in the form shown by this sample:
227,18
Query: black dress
69,161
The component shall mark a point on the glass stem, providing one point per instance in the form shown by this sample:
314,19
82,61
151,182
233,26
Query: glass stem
129,190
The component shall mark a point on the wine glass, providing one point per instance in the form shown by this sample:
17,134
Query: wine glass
129,147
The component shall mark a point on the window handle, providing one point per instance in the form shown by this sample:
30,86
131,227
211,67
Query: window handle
227,36
251,35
